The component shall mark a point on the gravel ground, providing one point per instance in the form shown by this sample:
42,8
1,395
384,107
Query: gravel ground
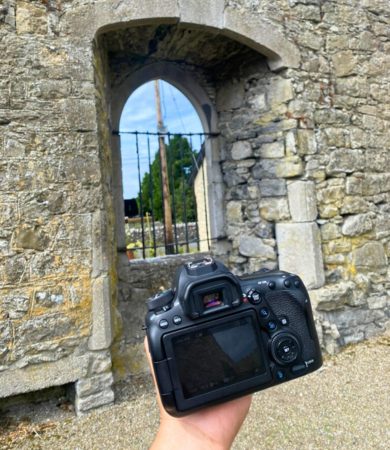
344,405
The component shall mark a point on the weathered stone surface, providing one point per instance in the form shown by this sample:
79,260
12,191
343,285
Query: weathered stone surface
345,161
35,377
307,144
93,385
344,63
274,209
254,247
15,306
30,237
234,212
271,150
86,404
355,225
102,327
231,96
241,150
370,257
302,201
289,167
299,248
332,297
272,188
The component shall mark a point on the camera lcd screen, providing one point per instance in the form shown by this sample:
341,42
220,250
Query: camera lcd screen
217,356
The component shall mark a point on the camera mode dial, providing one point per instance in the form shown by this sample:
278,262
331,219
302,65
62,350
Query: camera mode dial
285,348
160,300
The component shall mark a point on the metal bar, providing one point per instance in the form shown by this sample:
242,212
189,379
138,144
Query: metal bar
204,195
211,134
172,189
151,197
140,196
184,195
193,193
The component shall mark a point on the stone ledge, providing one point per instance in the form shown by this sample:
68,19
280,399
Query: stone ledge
36,377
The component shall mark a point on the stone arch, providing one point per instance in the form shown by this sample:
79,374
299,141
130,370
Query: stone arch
205,109
240,25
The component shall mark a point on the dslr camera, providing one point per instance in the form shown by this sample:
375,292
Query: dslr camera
216,336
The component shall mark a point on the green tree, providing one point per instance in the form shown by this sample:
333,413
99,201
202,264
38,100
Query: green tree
180,160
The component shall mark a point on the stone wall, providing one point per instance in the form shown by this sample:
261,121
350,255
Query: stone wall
299,90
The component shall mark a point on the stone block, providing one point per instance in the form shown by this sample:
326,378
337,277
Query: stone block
271,150
289,167
100,253
370,257
307,144
299,248
35,377
102,329
31,18
86,404
254,247
378,302
274,209
261,36
272,187
30,237
230,96
241,150
280,91
302,201
345,161
234,212
210,14
344,63
358,224
93,385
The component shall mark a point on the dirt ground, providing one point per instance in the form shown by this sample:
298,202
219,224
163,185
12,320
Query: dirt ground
344,405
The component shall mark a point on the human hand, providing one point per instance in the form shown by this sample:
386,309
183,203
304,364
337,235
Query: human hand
214,427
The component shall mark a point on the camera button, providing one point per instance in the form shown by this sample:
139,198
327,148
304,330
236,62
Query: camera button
283,320
298,368
177,320
271,325
264,312
280,375
254,296
163,323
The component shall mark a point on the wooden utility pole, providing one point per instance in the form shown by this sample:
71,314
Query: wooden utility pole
169,247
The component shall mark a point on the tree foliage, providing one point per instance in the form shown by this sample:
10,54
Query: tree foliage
180,160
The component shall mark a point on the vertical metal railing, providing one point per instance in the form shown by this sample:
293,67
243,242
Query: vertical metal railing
146,231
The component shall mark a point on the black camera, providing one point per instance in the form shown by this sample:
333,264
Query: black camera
216,336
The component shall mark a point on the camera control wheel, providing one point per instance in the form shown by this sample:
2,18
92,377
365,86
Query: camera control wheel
285,348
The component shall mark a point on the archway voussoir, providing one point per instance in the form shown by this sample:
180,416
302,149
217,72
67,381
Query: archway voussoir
262,37
210,14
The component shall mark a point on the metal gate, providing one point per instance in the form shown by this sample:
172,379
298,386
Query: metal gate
169,214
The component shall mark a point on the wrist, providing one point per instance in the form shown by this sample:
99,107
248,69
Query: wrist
176,435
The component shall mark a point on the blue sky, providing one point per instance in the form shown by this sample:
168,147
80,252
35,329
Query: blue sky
139,114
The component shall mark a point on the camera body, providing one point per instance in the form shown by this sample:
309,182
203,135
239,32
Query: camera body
216,336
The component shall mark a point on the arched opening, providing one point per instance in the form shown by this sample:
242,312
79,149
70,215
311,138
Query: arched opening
165,203
250,155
